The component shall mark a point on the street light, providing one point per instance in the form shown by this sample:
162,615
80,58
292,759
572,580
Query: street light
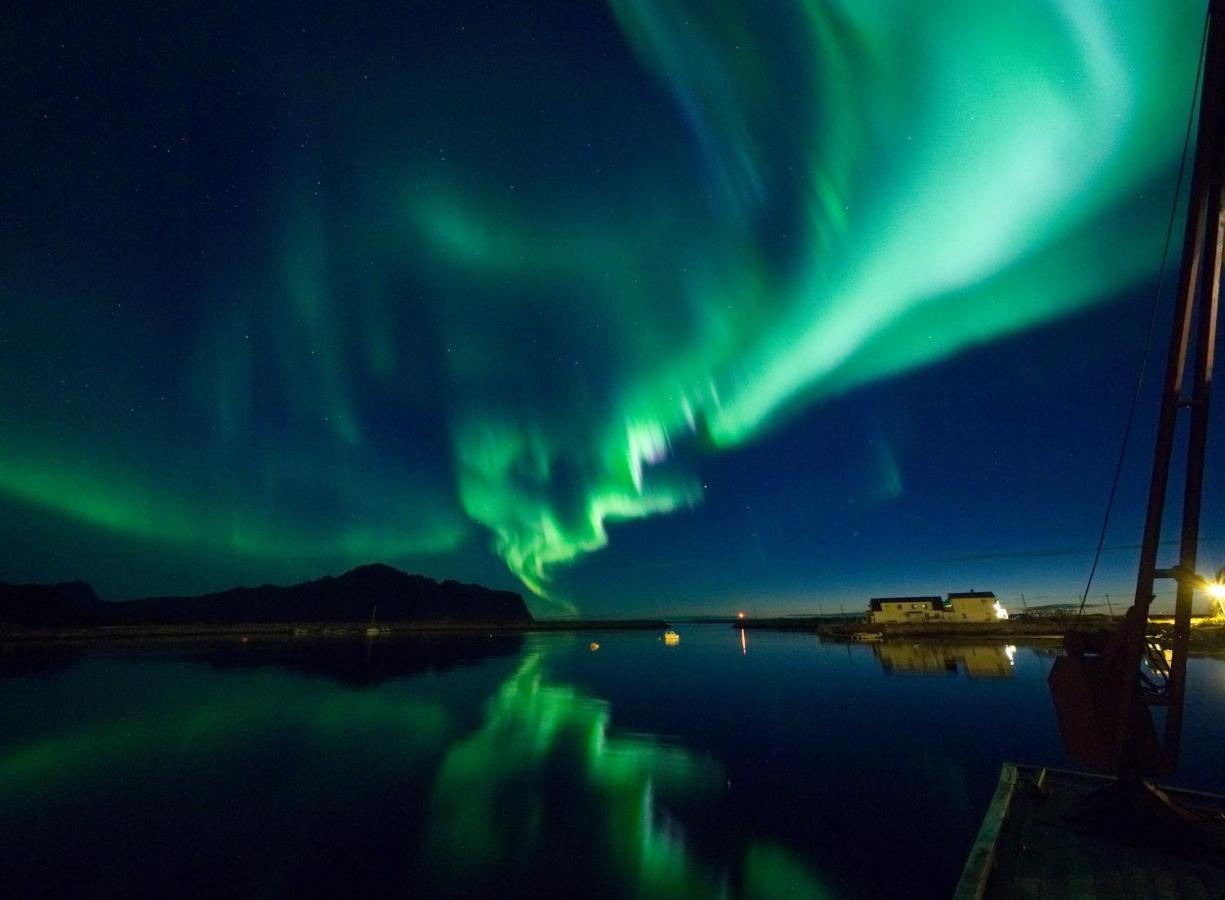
1216,590
1213,587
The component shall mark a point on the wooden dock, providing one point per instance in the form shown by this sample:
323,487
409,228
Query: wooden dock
1033,845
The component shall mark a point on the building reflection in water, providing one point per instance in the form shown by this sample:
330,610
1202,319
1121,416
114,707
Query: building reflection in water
975,660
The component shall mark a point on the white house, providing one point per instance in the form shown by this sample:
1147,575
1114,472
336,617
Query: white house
974,606
967,606
906,609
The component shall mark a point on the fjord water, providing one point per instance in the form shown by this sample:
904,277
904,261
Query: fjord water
507,766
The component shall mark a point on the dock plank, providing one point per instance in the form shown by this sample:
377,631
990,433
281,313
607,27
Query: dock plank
1031,847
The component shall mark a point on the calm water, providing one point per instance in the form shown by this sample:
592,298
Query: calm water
501,767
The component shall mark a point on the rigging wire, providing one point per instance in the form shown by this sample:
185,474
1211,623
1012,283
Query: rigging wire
1152,323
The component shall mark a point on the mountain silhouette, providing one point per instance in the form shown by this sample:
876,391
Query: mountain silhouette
351,597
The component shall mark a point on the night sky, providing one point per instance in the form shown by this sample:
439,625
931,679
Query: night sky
638,307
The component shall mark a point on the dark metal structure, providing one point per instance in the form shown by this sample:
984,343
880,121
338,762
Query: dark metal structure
1104,689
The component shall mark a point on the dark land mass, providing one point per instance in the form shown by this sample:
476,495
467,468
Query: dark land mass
800,623
343,606
349,598
1205,633
844,628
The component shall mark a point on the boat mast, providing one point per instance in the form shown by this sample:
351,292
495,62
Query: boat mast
1196,307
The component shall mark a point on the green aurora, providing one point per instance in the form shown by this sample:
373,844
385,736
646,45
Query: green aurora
499,803
436,332
480,836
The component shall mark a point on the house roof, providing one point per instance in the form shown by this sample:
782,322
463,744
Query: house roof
969,595
875,602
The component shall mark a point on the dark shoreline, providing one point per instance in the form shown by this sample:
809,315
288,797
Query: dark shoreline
111,634
978,630
1205,634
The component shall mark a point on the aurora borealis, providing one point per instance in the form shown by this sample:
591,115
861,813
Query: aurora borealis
465,290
